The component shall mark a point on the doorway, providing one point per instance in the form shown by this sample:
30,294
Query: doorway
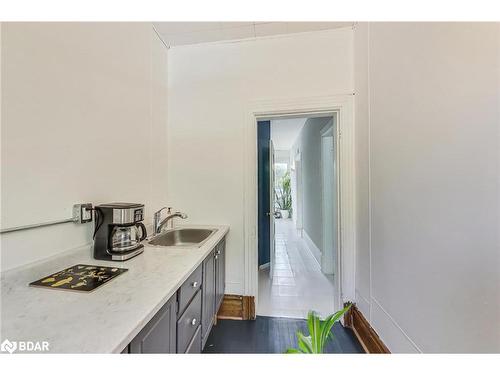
296,202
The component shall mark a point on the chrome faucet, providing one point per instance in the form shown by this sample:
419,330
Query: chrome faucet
158,224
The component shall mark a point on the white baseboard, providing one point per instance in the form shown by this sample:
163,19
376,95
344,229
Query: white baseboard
313,249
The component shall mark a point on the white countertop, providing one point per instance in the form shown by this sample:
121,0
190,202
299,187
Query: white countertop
106,319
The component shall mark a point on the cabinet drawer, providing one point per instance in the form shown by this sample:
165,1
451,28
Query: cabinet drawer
189,289
188,323
195,344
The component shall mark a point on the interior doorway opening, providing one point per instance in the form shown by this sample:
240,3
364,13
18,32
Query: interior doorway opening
297,215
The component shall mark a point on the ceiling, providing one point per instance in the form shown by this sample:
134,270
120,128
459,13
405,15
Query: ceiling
182,33
285,132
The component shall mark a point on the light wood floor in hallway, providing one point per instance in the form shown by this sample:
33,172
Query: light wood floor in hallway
298,284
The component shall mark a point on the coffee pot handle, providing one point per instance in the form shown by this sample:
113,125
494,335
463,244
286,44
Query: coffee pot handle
144,231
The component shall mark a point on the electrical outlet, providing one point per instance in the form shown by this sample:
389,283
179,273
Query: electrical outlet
82,213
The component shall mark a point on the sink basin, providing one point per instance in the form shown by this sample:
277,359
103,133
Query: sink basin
190,237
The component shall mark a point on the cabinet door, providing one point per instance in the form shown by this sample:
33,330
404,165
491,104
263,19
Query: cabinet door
208,296
220,273
188,323
158,336
195,345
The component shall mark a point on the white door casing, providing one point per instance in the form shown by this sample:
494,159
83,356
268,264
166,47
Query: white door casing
329,197
298,177
342,105
272,203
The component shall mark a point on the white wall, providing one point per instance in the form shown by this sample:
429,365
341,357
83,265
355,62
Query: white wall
363,277
83,117
427,128
210,89
282,156
308,143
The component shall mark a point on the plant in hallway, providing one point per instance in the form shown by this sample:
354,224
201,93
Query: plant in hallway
320,332
283,194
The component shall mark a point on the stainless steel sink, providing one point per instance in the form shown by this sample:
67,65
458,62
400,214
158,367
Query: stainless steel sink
189,237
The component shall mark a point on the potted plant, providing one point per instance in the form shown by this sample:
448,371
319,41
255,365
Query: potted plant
283,194
320,332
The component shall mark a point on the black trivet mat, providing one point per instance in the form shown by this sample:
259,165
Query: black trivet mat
80,278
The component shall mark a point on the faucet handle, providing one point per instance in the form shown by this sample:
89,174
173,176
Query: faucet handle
158,213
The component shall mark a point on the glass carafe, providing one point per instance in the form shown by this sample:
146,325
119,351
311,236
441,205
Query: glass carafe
127,238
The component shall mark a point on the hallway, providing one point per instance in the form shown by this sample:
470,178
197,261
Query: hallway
298,284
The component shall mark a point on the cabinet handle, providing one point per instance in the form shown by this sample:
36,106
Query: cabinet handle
216,257
193,322
195,284
218,252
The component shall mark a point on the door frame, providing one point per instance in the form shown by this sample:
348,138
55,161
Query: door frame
272,209
328,131
298,213
343,106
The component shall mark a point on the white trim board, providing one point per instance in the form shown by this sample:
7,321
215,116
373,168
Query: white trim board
342,105
329,224
313,249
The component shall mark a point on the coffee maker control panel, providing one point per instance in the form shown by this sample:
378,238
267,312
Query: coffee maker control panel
139,215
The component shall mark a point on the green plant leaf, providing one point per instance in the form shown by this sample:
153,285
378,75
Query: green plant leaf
310,321
319,332
326,329
314,326
293,351
317,344
304,343
283,192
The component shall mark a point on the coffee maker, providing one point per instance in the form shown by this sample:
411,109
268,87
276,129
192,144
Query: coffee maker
118,231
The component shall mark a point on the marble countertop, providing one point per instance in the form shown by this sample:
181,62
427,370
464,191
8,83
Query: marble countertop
107,319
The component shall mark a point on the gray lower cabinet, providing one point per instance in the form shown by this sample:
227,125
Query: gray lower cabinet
208,302
183,324
158,336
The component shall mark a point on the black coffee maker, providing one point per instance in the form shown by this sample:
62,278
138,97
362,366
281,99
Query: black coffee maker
119,231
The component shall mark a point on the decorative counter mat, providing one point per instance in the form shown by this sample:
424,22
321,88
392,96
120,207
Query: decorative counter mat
81,278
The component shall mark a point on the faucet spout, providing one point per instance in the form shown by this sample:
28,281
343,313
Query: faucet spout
159,224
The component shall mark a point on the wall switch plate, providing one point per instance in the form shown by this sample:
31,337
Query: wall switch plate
82,213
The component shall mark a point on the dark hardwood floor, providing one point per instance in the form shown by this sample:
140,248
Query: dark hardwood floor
271,335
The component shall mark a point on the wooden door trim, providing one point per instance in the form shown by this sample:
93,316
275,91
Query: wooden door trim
367,337
237,307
